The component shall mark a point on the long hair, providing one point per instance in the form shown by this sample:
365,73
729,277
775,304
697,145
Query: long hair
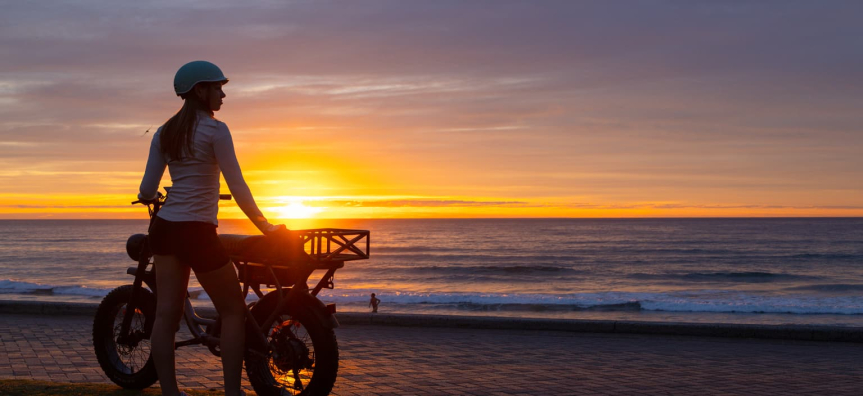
178,133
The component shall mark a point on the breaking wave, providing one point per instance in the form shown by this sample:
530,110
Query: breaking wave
8,286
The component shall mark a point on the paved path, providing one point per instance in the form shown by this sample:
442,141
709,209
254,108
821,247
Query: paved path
430,361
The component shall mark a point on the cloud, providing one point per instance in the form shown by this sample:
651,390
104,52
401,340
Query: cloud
65,206
673,100
431,202
711,207
414,203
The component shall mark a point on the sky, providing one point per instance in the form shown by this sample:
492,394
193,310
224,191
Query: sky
380,109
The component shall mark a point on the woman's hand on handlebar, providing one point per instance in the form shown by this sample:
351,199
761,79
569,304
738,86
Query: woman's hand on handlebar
145,201
276,230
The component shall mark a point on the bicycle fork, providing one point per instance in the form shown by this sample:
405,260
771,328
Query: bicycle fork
132,305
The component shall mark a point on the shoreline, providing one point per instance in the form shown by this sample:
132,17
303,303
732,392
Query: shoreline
779,332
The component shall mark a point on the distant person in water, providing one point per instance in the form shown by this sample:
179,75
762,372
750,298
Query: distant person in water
196,148
374,303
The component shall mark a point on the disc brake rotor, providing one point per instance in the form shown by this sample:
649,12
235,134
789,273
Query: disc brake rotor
289,352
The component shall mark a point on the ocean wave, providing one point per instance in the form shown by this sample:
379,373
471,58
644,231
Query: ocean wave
62,240
8,286
784,305
829,287
714,301
414,249
434,257
627,306
731,276
484,269
685,251
829,256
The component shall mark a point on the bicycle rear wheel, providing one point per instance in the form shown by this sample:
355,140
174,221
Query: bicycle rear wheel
302,357
127,364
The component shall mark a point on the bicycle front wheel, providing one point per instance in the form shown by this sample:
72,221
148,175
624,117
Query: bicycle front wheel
126,362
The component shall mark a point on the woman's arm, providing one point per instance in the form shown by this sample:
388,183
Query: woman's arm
155,169
223,146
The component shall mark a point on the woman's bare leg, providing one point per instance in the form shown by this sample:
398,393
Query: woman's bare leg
172,279
224,289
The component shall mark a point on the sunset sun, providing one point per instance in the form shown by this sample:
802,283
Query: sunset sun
296,210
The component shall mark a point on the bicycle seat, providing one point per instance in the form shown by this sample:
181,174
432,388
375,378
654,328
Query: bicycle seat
263,249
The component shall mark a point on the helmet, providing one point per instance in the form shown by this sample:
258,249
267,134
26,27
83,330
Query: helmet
194,72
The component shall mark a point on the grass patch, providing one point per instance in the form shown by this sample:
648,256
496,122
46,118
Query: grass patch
45,388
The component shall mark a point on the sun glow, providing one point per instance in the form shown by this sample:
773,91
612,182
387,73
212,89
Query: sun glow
296,210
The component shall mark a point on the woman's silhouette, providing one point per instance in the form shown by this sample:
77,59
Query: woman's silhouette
196,147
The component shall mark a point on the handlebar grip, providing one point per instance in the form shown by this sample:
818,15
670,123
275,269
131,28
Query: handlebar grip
146,201
158,197
225,197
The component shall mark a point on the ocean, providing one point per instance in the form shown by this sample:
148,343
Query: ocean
763,271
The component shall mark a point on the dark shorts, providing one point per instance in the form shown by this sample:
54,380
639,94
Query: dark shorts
195,243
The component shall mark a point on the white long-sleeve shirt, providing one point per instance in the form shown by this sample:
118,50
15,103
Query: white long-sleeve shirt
194,195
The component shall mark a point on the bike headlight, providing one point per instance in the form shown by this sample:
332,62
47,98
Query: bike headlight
134,245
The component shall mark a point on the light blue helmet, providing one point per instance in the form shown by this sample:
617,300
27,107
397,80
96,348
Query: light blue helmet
194,72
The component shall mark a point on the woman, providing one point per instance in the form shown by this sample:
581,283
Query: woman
196,147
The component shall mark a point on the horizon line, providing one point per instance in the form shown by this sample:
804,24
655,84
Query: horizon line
480,218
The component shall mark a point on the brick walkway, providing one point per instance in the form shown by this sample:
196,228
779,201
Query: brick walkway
425,361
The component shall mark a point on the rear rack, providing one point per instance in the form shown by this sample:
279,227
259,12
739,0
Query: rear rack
324,248
335,244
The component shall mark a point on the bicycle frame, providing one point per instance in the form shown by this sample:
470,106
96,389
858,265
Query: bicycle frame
329,248
193,321
190,316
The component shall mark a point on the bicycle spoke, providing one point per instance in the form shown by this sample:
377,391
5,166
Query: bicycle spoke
298,383
125,358
294,367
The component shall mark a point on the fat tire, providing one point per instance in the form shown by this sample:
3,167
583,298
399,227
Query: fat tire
103,337
325,347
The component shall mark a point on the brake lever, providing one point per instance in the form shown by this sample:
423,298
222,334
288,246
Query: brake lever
149,201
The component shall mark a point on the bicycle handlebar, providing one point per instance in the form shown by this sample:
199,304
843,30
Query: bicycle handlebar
223,197
149,201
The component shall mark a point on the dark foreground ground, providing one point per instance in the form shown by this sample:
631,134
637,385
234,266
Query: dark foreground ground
439,361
